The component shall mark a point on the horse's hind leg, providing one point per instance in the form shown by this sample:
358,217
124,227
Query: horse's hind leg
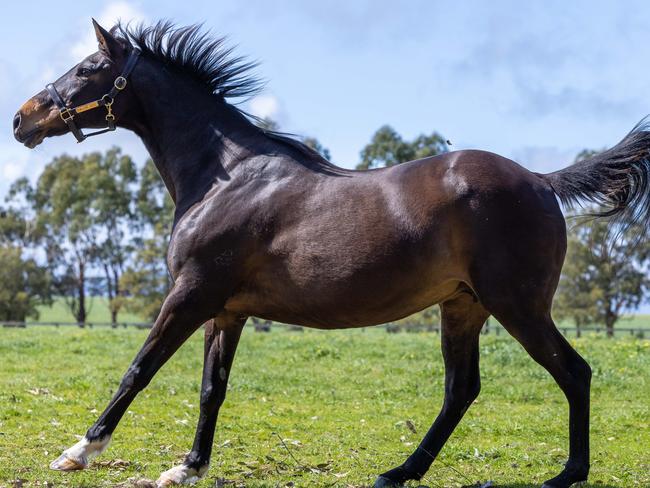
549,348
221,339
462,319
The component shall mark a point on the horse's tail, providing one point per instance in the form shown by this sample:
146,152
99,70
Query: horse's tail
617,179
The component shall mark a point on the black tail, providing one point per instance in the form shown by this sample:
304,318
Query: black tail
618,180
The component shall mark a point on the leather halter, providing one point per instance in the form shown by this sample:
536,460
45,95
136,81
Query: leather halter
67,114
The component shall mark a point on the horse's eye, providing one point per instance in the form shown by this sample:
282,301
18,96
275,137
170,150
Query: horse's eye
83,72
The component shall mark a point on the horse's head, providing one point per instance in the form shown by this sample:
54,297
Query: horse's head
83,97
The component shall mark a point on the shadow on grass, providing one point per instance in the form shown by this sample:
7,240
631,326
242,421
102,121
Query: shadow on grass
537,485
521,485
530,485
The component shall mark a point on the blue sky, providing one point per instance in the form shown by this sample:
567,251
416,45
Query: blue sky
534,81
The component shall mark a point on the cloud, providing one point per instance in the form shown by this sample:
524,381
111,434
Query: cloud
542,65
265,106
114,11
13,169
13,163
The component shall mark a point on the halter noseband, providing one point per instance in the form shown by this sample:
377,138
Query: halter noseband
67,113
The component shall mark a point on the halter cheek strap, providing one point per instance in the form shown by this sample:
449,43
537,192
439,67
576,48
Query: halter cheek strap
67,114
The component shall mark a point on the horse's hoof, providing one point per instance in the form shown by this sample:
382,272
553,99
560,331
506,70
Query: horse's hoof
64,463
383,482
180,475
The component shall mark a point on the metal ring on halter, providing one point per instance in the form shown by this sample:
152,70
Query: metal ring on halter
120,83
107,100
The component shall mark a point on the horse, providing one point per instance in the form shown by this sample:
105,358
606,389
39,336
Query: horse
266,227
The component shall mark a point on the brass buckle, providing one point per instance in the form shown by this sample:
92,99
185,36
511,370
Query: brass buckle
120,83
66,114
109,110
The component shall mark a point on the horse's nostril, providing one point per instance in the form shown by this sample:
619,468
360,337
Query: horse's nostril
16,122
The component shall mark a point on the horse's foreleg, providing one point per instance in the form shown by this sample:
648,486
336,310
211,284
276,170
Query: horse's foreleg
462,319
182,313
221,339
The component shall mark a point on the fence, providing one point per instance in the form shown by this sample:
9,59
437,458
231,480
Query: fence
489,327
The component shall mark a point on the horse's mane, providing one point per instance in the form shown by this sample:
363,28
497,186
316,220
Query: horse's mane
194,52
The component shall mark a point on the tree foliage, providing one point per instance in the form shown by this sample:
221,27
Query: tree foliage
317,146
388,148
24,284
146,282
602,278
80,213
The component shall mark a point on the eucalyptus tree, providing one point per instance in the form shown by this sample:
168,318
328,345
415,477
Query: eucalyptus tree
146,281
388,148
80,213
24,284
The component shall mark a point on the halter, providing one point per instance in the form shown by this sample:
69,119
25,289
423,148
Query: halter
67,113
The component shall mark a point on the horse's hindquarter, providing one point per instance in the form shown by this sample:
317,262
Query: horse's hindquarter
361,249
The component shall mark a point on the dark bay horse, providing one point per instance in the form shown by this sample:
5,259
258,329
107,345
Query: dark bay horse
266,227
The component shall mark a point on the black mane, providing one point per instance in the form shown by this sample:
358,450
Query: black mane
194,52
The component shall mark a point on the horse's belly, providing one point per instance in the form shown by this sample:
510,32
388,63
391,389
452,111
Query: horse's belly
330,298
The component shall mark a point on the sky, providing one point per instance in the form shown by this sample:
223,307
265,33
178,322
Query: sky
534,81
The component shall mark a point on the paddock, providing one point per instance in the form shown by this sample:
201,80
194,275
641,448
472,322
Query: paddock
317,409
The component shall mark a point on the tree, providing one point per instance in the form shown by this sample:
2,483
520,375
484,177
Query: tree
269,124
146,282
114,175
602,277
420,321
80,210
388,148
317,146
23,283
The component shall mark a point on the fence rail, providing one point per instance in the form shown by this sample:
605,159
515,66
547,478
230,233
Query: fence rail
488,328
90,325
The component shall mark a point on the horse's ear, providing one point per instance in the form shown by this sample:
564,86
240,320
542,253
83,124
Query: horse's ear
107,42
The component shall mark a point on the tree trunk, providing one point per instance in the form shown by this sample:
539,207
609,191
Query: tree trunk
610,320
81,293
116,288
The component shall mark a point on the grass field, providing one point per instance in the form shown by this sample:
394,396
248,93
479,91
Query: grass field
97,312
339,401
58,312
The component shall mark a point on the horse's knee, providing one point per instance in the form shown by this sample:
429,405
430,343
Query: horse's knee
582,371
135,379
579,382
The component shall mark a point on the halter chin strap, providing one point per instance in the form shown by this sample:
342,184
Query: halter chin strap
67,114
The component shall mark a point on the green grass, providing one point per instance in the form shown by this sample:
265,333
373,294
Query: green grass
638,321
97,312
339,399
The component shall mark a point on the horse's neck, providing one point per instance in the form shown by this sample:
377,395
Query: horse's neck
196,140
